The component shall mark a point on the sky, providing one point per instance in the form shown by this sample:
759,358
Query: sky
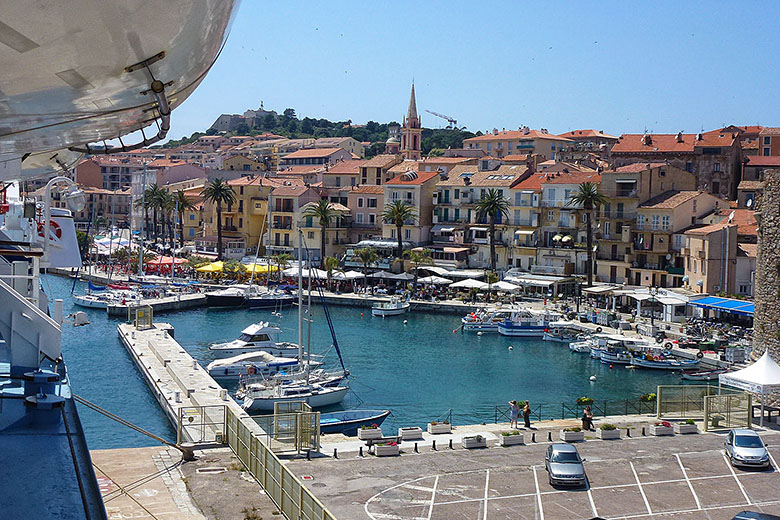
620,67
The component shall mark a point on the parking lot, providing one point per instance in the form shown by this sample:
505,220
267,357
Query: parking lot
684,477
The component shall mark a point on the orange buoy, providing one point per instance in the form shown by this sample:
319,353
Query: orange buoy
610,365
361,314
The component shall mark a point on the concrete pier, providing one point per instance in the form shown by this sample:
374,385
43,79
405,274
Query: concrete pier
167,304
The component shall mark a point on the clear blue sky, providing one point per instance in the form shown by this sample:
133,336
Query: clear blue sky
615,66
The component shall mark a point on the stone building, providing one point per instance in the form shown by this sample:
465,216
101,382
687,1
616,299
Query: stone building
766,321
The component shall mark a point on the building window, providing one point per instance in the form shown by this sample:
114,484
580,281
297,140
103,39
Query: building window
551,215
665,223
372,218
655,222
371,203
640,221
360,202
490,146
766,151
338,181
394,195
689,167
359,218
767,140
716,167
457,193
715,187
407,234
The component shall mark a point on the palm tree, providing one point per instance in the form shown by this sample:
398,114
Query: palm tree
418,259
331,264
492,205
219,192
323,211
281,261
153,198
183,204
367,256
588,196
167,205
398,212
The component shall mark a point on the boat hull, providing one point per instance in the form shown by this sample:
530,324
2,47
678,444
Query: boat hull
221,300
703,376
665,365
480,327
270,303
531,331
350,421
315,401
90,303
388,312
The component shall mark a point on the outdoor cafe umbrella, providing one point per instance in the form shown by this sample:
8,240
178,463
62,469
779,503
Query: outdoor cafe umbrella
506,286
214,267
470,283
260,268
348,275
381,274
402,276
435,280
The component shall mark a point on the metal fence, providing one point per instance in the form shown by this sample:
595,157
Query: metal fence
600,407
282,486
687,401
732,410
288,432
201,424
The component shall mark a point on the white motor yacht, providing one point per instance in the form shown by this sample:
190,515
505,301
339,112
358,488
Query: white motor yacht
527,323
250,364
314,394
255,338
394,307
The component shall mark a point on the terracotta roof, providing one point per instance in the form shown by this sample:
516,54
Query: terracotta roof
582,134
751,185
748,250
447,160
504,176
669,199
313,153
513,158
259,180
554,167
763,160
659,143
532,182
770,130
419,178
403,166
706,230
637,167
289,191
381,161
513,135
571,177
166,163
368,188
351,167
302,169
743,218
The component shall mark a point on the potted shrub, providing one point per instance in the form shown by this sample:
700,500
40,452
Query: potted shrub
573,434
386,449
474,441
687,426
511,438
608,432
648,398
436,427
411,433
584,401
661,428
370,432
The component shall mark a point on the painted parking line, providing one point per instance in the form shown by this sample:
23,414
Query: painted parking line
433,496
592,503
641,491
690,486
487,488
538,495
734,474
683,511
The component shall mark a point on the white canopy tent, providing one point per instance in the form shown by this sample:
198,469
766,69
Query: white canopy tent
434,269
506,286
435,280
466,273
762,377
383,275
348,275
469,283
316,273
401,276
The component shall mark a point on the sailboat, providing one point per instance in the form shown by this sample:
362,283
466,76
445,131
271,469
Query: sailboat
325,390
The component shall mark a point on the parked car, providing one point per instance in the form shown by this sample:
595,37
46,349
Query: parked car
752,515
564,465
745,448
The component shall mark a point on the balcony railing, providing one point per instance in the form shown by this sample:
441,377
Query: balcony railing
523,222
555,203
566,224
616,214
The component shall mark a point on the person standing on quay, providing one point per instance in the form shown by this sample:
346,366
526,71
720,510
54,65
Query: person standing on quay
527,414
514,409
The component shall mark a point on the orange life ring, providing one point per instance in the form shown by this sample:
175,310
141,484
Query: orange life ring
53,225
656,358
251,370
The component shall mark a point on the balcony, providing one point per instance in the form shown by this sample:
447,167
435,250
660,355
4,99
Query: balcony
620,194
279,225
617,215
530,222
555,203
569,223
676,270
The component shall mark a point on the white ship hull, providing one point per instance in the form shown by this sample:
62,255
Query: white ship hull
326,397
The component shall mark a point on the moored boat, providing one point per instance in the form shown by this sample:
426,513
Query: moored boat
253,363
233,296
394,307
661,363
313,394
484,320
254,338
563,332
526,323
703,375
349,422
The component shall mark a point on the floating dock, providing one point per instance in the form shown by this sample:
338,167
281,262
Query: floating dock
178,302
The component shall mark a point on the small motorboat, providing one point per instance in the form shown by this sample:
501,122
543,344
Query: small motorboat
563,332
703,375
526,323
664,363
314,394
271,300
349,422
484,320
255,338
394,307
248,365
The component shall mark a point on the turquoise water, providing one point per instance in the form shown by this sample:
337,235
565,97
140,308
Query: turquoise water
418,371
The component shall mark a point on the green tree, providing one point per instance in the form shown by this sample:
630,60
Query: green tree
268,122
398,212
183,204
153,198
196,261
242,129
367,257
219,192
491,206
167,206
233,268
323,211
419,259
588,196
331,264
282,261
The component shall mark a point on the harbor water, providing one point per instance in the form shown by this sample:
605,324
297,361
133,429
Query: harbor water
419,370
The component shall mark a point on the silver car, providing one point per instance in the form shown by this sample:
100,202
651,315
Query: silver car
745,448
564,466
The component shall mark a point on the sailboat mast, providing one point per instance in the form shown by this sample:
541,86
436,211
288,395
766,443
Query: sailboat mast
308,331
300,295
143,224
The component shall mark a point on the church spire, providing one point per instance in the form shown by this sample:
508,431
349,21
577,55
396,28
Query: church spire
412,113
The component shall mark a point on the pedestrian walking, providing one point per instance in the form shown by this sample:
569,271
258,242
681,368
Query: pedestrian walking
527,414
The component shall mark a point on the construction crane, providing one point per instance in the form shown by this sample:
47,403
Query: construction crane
453,123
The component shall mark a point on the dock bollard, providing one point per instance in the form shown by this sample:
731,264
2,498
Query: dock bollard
451,445
549,436
644,434
628,431
415,448
335,453
360,452
433,445
533,437
308,454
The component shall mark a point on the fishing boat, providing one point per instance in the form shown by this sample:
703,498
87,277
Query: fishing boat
349,422
563,332
661,362
256,337
250,364
485,320
615,353
394,307
703,375
526,323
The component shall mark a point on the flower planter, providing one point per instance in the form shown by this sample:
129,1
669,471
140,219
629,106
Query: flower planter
684,429
365,434
439,428
411,433
512,440
608,435
473,442
381,450
572,436
660,430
